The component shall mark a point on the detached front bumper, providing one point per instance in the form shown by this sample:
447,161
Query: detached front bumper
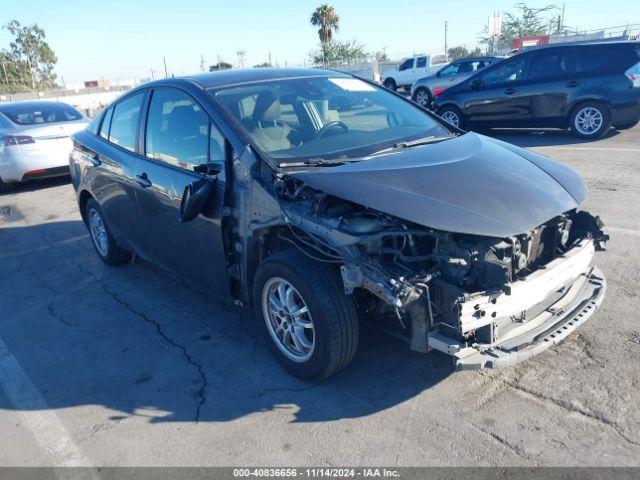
534,314
549,328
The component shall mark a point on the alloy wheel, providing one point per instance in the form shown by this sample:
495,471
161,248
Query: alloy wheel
588,121
98,232
451,117
288,319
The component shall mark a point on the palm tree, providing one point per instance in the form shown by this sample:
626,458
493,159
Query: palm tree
327,19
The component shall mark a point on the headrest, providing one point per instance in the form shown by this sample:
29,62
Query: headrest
267,107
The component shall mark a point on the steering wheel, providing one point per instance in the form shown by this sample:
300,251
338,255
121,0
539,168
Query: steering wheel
323,131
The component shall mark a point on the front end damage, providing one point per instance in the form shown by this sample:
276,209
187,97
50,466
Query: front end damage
487,302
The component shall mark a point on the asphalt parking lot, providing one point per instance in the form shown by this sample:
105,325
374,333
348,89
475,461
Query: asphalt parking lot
131,366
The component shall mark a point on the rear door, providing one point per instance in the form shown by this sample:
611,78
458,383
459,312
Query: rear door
499,99
178,136
111,169
555,79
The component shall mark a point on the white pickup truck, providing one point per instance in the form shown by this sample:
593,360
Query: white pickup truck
412,69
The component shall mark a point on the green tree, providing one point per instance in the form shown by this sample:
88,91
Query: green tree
263,65
29,61
456,53
526,21
339,52
220,66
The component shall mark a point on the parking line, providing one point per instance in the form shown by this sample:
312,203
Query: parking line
44,247
36,414
604,149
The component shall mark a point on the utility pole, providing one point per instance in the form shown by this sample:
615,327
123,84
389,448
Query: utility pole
164,60
152,74
446,27
201,63
270,64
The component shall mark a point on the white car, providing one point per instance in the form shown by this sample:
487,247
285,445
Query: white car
412,69
35,140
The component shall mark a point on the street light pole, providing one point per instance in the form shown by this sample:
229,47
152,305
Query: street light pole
446,27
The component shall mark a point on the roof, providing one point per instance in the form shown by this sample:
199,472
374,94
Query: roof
234,77
30,104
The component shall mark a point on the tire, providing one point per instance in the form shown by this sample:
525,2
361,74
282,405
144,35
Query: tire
627,126
390,83
590,120
422,96
105,245
6,187
452,115
327,336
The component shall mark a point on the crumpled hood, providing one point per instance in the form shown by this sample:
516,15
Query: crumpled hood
470,184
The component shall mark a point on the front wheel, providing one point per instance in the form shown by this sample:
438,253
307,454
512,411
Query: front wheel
311,323
590,120
422,97
390,83
452,115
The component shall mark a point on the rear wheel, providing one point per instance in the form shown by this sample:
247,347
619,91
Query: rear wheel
390,83
422,97
105,244
590,120
310,322
452,115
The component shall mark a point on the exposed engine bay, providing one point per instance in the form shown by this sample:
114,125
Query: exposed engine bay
436,289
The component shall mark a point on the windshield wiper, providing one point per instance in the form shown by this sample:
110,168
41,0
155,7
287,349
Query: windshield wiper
316,162
412,143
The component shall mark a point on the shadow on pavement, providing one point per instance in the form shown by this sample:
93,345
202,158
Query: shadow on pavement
36,185
141,342
541,138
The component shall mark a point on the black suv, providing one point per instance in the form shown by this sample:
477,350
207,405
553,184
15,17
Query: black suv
587,88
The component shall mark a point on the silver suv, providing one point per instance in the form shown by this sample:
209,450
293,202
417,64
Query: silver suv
425,89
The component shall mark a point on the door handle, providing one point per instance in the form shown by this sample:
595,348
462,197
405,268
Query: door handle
573,83
510,91
143,180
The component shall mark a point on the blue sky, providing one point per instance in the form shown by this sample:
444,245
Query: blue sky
125,39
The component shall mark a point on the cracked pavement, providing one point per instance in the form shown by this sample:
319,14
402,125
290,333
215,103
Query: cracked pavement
142,368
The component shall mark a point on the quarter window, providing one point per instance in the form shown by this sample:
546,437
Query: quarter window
124,122
106,123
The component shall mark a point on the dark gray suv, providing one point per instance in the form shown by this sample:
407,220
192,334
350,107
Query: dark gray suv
251,184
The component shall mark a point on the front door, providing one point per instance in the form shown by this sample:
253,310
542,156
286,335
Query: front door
499,98
179,136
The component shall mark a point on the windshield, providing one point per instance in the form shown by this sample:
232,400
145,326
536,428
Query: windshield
322,117
32,114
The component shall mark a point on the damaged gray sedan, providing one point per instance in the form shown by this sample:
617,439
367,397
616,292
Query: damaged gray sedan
251,183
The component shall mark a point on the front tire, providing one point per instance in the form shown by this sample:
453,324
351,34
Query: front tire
104,243
311,323
590,120
390,83
422,97
452,115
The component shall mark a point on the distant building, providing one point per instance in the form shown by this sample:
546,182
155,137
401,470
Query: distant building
96,83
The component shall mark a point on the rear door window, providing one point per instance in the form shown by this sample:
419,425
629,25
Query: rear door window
555,64
421,62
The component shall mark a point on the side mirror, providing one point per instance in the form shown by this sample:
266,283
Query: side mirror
193,199
475,84
210,169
